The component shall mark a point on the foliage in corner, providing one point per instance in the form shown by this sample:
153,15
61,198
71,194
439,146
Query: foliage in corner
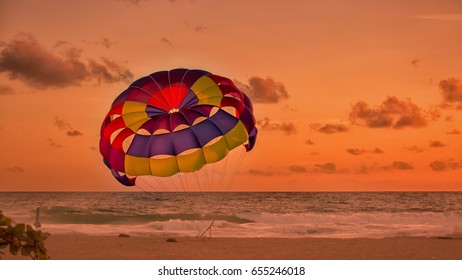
22,238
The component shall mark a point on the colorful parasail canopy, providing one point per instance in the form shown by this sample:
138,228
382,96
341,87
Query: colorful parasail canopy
175,121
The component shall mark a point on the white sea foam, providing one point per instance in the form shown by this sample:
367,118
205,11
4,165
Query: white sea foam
332,215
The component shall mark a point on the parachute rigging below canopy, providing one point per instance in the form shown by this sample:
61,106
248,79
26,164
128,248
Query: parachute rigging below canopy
173,122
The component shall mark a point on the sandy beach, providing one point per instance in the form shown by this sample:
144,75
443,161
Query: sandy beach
82,247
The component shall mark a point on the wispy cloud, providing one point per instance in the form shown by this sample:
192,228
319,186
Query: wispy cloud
105,42
451,90
263,90
414,148
200,28
415,62
402,165
309,142
329,128
453,132
375,167
261,172
440,165
53,143
286,126
165,40
325,168
392,113
297,169
441,17
15,169
357,152
108,71
436,144
6,90
23,58
62,124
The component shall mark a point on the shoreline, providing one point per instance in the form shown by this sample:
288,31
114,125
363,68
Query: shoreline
87,247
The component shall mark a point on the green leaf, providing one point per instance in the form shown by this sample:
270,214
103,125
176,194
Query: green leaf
22,238
43,257
19,229
25,251
4,220
43,236
14,249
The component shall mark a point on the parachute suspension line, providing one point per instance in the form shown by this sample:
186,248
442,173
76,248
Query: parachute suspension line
146,192
232,176
206,184
223,173
236,169
201,189
165,189
156,190
212,188
220,183
181,195
185,194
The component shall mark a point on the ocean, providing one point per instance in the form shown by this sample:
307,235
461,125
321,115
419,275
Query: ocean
241,214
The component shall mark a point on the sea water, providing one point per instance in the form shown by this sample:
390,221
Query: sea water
243,214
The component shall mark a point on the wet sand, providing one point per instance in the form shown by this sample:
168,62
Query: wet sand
82,247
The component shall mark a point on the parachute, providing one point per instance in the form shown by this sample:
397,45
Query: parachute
174,122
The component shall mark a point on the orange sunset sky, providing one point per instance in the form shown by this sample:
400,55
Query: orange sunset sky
348,95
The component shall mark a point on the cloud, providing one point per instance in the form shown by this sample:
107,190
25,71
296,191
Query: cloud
288,108
109,71
309,142
357,152
329,128
23,58
15,169
392,113
325,168
166,41
6,90
441,17
200,28
414,149
263,90
53,144
436,144
134,2
453,132
73,133
415,62
377,151
451,89
287,127
374,167
62,124
60,43
363,169
401,165
106,43
260,172
439,165
297,169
